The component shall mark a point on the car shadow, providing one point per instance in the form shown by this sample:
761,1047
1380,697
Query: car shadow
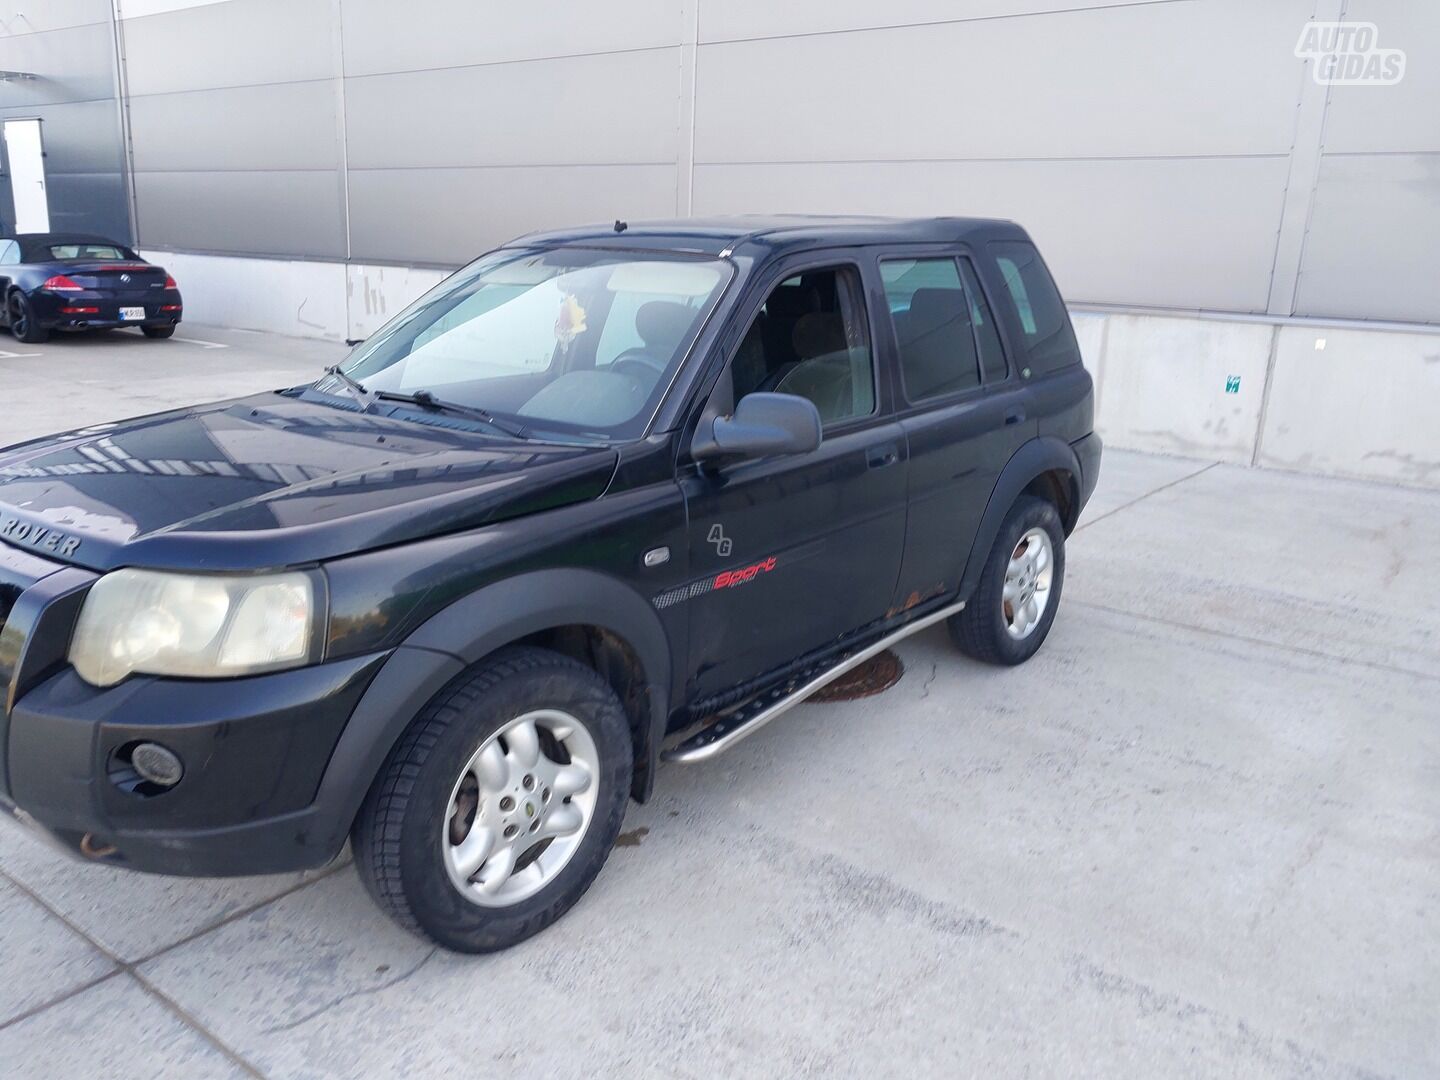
83,338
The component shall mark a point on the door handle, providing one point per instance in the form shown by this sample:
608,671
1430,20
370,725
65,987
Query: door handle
1015,416
877,457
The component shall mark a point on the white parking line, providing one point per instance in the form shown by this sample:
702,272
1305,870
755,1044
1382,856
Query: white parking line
204,344
5,355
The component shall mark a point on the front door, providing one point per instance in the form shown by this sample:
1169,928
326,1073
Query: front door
27,176
792,553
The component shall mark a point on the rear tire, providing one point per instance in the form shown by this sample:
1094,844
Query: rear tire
1014,604
157,331
22,319
455,790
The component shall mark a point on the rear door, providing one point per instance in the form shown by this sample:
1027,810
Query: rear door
962,406
792,553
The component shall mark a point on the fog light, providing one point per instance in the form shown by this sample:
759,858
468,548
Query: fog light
156,764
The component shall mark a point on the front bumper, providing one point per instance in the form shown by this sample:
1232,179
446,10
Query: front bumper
254,752
275,766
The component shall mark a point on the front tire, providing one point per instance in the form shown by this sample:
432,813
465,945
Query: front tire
157,331
1014,604
22,320
500,804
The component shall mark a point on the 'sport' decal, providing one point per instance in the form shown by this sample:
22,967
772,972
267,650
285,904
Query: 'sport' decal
726,579
744,575
730,578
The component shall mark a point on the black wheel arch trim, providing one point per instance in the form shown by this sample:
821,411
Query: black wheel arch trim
472,628
1041,455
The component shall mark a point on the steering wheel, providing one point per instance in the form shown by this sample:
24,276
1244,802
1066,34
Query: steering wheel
639,364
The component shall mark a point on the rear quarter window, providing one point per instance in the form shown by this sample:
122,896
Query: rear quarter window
1036,305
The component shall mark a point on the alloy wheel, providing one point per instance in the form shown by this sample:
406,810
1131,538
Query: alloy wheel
520,808
1028,578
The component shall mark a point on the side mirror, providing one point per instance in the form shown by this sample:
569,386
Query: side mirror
763,425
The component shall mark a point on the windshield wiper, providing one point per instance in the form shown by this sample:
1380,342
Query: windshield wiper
354,387
426,400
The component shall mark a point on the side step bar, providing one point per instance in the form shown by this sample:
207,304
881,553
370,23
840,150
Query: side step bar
749,718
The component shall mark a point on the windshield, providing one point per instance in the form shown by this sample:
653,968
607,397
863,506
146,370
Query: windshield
571,340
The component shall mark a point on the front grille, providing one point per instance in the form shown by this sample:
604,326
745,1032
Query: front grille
9,657
8,595
18,571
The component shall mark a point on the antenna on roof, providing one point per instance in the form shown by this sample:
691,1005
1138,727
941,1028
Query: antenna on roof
620,226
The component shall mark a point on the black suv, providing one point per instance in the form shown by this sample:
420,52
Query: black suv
604,496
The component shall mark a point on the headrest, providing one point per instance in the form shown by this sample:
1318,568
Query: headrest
792,301
932,308
662,323
818,334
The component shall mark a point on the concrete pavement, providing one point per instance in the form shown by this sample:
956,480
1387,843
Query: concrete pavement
1198,835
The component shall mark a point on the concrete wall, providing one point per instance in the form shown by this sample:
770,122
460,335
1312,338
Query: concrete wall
68,49
1311,397
331,300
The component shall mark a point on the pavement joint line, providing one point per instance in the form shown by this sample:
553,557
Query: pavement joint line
240,913
1142,498
128,967
186,1018
1316,654
125,967
74,991
65,919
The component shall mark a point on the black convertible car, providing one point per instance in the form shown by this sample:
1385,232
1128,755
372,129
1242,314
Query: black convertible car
67,281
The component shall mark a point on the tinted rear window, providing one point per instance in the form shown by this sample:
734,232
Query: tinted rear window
931,314
60,252
992,353
1044,322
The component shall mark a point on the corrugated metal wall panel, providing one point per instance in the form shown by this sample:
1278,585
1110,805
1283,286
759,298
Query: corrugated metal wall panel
254,211
17,18
69,46
283,126
1131,82
75,63
247,43
451,215
602,109
739,19
1147,145
1178,233
381,37
1373,247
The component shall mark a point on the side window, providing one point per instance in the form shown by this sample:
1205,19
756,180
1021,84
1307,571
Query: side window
9,252
992,353
932,326
1049,338
811,338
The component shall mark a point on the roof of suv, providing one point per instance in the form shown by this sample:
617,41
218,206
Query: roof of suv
718,235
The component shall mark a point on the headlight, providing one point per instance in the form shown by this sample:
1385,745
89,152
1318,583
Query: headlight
195,626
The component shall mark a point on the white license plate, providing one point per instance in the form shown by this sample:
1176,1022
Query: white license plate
135,313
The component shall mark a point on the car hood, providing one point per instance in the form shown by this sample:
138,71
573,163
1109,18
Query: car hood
274,480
